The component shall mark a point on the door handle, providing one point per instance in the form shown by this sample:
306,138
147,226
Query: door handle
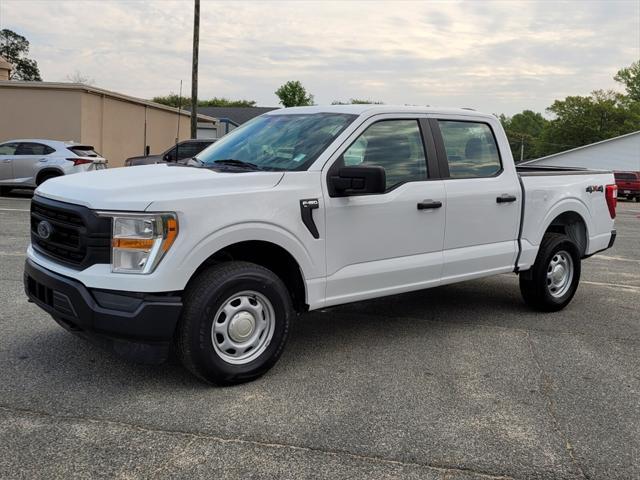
429,205
7,160
506,198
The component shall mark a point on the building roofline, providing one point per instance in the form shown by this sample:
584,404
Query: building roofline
100,91
581,147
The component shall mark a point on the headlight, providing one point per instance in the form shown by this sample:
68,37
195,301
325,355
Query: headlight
139,242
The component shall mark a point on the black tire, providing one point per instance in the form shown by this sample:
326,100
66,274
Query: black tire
205,296
4,190
534,284
47,176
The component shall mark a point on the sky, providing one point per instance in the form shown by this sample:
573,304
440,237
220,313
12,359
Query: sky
497,57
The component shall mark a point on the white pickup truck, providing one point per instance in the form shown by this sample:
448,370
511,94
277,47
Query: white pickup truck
301,209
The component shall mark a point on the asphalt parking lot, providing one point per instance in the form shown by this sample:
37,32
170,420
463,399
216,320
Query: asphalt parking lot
460,382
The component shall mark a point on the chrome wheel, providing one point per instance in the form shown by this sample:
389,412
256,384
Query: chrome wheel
560,274
243,327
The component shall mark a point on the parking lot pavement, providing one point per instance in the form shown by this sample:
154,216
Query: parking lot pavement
460,382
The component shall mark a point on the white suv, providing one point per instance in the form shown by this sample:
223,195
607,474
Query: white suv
28,163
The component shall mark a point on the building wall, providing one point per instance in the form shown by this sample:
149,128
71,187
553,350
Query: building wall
622,154
117,127
114,126
39,113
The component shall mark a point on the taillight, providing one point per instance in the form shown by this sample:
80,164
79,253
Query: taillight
79,161
611,194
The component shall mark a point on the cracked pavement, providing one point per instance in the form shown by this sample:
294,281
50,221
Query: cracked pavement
460,382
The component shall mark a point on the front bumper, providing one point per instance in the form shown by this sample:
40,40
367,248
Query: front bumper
135,325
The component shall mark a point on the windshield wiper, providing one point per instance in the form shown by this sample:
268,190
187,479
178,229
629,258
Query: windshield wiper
237,163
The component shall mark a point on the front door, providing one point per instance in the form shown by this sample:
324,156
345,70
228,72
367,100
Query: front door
391,242
7,151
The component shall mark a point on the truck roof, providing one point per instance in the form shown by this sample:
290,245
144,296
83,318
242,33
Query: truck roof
359,109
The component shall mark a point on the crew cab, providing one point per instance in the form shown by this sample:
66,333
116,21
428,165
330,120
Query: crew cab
301,209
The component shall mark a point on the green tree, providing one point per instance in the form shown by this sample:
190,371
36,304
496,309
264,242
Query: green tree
293,94
357,101
523,131
225,102
630,78
14,48
583,120
173,100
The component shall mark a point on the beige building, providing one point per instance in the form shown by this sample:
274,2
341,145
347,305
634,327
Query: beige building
118,126
5,69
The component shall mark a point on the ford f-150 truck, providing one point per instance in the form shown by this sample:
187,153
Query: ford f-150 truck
302,209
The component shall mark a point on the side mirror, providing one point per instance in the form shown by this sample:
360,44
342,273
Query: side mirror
357,180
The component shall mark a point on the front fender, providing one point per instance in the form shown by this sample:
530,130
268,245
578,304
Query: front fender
254,231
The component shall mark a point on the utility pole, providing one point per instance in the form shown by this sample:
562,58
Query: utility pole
194,69
522,149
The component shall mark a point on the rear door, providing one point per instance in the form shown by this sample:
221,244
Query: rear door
27,157
7,152
483,198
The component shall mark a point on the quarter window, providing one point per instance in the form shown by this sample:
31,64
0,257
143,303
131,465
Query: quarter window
471,149
395,145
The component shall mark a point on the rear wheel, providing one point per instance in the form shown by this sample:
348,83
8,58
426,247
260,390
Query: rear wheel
47,176
553,280
234,324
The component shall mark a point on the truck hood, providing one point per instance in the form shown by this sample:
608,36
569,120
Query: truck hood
136,188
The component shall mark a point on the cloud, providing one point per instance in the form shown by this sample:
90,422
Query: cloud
494,56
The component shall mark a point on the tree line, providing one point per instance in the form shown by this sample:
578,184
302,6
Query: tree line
577,120
574,121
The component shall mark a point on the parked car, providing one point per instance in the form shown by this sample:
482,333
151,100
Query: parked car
180,151
29,163
628,185
302,209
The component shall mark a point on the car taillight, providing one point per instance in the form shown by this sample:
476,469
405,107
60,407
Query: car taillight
79,161
611,194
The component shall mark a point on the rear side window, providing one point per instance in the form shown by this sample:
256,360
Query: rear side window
29,148
8,149
84,151
471,149
395,145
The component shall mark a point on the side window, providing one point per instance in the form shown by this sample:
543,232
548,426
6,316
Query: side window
189,150
33,149
471,149
395,145
170,156
8,148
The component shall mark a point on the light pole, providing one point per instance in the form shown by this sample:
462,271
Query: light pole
194,69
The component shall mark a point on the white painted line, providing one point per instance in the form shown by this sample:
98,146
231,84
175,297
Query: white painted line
613,285
15,199
14,210
12,254
619,259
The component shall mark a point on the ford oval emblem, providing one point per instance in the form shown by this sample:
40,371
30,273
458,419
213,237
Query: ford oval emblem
44,229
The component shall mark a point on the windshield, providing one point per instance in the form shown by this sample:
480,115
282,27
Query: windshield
277,142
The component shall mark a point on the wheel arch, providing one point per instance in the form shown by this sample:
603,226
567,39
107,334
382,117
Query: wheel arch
46,171
572,224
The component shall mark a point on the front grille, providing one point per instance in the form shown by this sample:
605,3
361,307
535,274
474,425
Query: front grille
74,235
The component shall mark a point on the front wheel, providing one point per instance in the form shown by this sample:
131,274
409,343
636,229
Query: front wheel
234,323
553,280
